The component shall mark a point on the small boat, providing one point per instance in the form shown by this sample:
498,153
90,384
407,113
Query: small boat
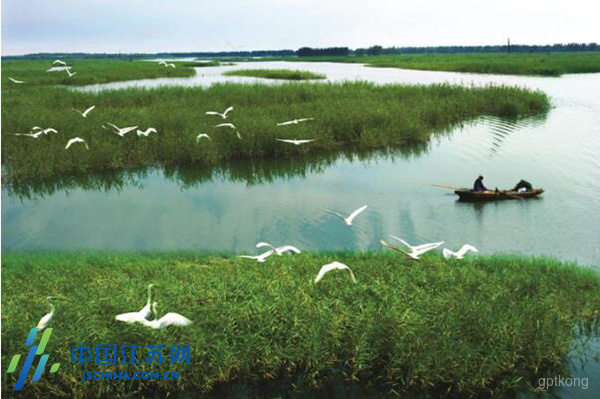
493,195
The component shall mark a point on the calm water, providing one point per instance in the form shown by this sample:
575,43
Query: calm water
286,201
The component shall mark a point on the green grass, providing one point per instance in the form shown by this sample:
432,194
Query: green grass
346,115
33,73
553,64
480,326
285,74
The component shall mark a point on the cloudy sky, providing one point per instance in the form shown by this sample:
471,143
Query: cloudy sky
30,26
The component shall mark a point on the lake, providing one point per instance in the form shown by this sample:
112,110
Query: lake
288,201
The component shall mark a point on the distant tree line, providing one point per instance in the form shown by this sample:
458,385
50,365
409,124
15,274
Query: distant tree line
332,51
514,48
313,52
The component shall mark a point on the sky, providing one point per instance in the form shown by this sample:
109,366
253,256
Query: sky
149,26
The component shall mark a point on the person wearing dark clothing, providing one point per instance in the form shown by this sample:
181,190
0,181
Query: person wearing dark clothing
478,185
523,184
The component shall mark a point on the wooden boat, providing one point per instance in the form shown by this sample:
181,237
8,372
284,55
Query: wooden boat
493,195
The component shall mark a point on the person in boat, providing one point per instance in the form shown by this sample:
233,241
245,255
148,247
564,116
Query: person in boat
478,185
523,186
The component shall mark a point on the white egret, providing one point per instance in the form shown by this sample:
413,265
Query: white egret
222,115
76,140
295,121
350,218
295,141
146,132
279,250
415,251
45,321
418,247
169,319
34,135
230,125
71,74
122,131
59,62
45,131
333,266
169,65
237,133
16,81
162,62
86,112
260,258
460,253
143,314
202,135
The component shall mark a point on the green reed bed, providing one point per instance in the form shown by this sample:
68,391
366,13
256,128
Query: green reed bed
285,74
543,64
33,73
361,115
482,325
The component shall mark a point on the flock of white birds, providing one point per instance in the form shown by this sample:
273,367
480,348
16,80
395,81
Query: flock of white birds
177,319
36,131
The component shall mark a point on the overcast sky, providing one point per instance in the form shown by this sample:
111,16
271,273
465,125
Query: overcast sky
30,26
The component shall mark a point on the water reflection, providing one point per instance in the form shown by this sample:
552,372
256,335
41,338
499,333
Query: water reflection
248,171
501,128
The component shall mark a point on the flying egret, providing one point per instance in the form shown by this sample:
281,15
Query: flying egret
222,115
34,135
460,253
295,141
418,247
169,65
295,121
16,81
333,266
122,131
260,258
147,132
69,72
169,319
44,321
45,131
415,251
86,112
230,125
162,62
59,62
76,140
279,250
350,218
201,135
143,314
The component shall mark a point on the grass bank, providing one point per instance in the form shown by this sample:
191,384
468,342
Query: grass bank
553,64
34,73
350,114
483,325
285,74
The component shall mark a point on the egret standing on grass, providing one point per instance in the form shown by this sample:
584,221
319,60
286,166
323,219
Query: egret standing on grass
333,266
295,121
45,321
170,319
222,115
143,314
76,140
350,218
86,112
460,253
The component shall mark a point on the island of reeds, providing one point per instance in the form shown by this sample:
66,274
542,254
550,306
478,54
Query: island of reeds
284,74
485,325
360,115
